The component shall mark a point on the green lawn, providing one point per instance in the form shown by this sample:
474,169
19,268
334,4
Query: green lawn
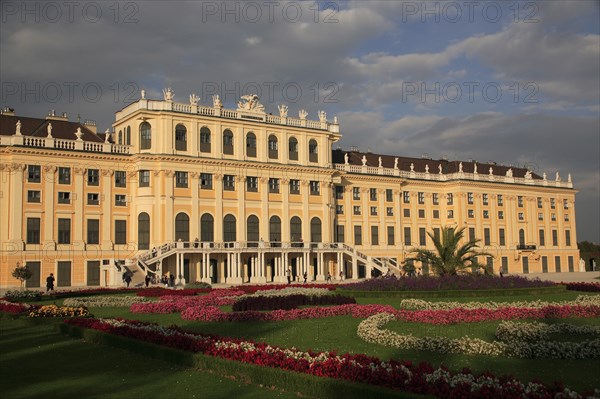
38,362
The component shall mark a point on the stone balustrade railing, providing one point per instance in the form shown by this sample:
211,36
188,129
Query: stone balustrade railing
371,170
62,144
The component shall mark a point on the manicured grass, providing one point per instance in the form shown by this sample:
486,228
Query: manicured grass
38,362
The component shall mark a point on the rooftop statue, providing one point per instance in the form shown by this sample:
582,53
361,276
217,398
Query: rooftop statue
217,101
509,172
194,99
283,110
364,160
426,168
346,159
491,171
412,167
143,94
18,128
460,167
250,103
380,162
49,130
557,177
322,116
474,168
302,114
528,174
396,163
168,94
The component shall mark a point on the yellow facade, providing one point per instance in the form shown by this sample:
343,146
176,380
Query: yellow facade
168,169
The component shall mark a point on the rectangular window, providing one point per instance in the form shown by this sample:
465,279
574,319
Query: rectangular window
486,214
485,199
64,231
339,209
568,238
521,216
228,182
339,233
356,193
421,197
389,195
357,235
406,197
489,264
406,212
64,197
64,175
470,213
34,196
486,236
93,199
315,188
407,236
339,192
450,214
542,238
470,198
552,203
571,263
373,211
421,213
505,264
356,210
389,211
93,231
181,179
553,217
144,178
525,264
436,233
500,215
422,236
374,235
436,214
471,233
565,204
390,235
500,200
539,202
206,181
274,186
501,237
373,194
120,178
566,217
544,264
450,199
540,216
435,199
557,264
33,230
555,238
34,173
120,200
93,177
520,201
294,186
120,232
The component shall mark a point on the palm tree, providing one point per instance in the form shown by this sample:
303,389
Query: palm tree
449,256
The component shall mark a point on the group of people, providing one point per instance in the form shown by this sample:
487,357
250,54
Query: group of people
288,274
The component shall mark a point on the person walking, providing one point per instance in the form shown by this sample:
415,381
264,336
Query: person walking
329,277
288,273
147,280
128,280
305,275
50,283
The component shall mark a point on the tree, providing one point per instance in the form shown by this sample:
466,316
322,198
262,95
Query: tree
22,273
449,256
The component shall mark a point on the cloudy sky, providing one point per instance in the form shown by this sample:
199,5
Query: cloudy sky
514,82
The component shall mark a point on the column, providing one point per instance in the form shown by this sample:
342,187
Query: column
320,267
354,267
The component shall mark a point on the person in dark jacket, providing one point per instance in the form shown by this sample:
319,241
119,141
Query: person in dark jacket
50,283
128,280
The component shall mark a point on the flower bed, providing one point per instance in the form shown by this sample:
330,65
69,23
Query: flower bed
104,301
173,304
55,311
420,304
589,287
511,345
288,302
14,307
15,295
251,289
292,291
158,292
91,291
405,376
213,313
461,282
509,331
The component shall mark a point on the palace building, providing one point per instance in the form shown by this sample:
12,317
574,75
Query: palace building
234,196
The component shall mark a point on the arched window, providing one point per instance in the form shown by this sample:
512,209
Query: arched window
228,142
521,237
120,137
275,229
207,228
313,155
180,138
145,136
143,231
229,229
182,227
205,139
251,145
252,229
293,153
315,230
128,138
295,229
273,147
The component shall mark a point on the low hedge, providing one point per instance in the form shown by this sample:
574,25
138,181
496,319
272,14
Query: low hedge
454,293
288,302
302,384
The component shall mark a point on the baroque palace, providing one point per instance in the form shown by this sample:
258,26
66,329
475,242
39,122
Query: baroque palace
219,195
